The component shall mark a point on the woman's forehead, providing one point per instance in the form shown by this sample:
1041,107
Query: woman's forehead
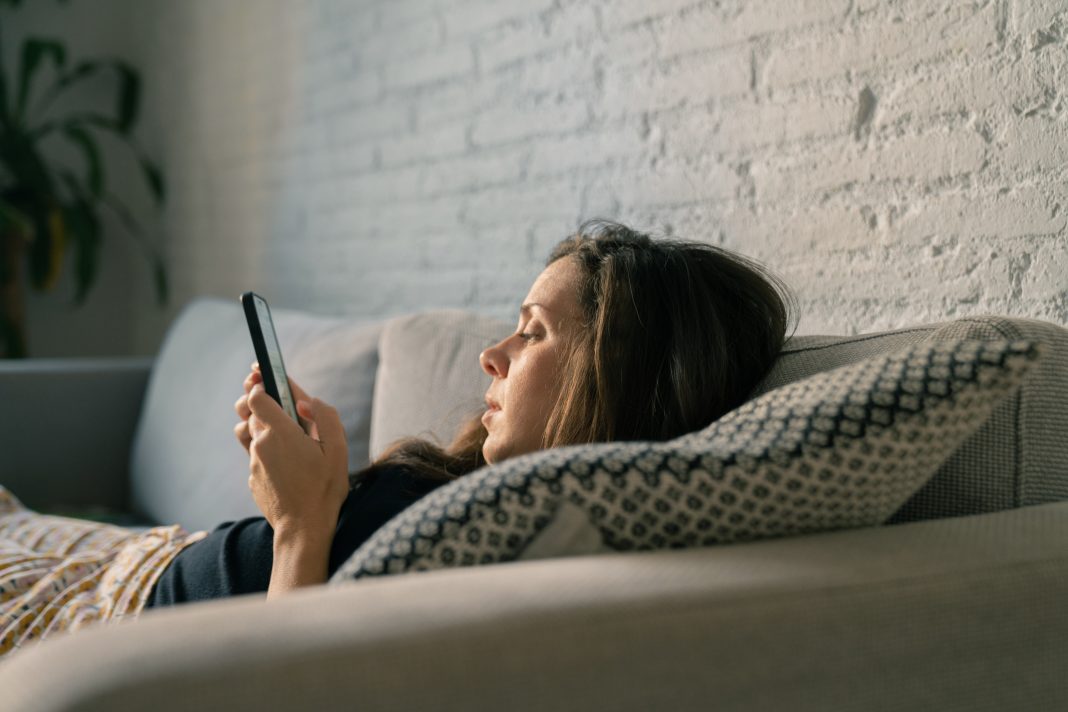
556,289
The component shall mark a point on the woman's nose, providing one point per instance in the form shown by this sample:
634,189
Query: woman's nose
494,361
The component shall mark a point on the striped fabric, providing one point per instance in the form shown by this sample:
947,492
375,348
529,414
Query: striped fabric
1016,459
59,574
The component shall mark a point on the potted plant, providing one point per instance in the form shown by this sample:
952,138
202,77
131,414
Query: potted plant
47,208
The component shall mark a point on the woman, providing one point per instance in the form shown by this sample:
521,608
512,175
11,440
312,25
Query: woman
621,337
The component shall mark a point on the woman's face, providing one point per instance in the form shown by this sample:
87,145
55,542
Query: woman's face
526,366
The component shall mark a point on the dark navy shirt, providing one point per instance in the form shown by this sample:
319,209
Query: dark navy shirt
236,557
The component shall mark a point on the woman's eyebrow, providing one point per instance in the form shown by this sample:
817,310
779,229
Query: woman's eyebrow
529,305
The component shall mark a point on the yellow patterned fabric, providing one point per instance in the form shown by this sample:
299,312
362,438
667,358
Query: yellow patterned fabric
59,574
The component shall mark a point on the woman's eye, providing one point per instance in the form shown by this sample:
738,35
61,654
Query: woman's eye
527,336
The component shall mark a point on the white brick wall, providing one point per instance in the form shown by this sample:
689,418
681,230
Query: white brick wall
374,157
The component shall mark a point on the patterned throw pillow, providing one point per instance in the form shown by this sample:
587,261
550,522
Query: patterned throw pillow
840,449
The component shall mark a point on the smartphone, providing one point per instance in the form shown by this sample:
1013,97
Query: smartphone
268,353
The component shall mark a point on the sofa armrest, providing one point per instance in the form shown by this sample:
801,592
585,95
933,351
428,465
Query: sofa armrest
964,613
66,428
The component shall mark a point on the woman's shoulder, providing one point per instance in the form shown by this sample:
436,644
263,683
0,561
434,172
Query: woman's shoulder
401,479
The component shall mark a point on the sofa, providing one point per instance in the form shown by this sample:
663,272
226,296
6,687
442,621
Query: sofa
956,602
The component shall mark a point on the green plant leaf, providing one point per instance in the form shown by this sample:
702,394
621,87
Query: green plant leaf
129,99
123,212
154,178
83,226
94,166
5,116
20,156
34,50
41,250
82,70
97,121
14,225
13,220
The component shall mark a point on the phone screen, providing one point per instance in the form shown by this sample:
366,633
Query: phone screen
274,356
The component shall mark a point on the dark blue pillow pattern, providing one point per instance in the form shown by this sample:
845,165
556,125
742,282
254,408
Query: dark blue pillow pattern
843,448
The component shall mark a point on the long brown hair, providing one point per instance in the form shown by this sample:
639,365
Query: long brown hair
676,335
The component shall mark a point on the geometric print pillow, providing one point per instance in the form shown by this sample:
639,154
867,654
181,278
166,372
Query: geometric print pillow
843,448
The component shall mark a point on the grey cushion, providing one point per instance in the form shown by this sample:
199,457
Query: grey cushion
1015,459
429,379
186,466
840,449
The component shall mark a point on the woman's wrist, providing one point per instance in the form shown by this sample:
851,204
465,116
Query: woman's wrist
301,558
302,535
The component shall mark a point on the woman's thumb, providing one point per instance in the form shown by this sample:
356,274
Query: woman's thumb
325,419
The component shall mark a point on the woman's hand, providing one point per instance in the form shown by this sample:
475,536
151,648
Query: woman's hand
241,406
243,412
299,480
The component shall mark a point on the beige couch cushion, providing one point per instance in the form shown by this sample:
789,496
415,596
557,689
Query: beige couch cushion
429,379
1016,459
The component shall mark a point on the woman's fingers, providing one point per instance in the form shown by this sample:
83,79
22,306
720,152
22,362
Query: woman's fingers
241,407
251,380
255,377
298,392
242,434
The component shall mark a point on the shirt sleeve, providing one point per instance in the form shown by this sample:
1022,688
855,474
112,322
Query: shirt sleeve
236,557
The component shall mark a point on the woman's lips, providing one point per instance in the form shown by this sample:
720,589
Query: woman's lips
491,410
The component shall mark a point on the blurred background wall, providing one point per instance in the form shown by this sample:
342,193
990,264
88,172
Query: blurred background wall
895,162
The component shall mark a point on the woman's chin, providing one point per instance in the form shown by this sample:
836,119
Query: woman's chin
489,453
494,451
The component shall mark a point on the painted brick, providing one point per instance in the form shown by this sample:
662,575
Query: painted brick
738,21
1030,17
964,86
343,95
433,143
921,159
589,148
691,80
619,13
456,101
1044,281
476,17
541,79
1032,146
375,157
394,17
557,199
380,119
747,125
552,29
448,63
473,172
1012,213
881,44
511,44
419,37
674,183
509,124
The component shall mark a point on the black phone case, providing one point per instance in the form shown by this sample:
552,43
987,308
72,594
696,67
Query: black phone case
270,384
